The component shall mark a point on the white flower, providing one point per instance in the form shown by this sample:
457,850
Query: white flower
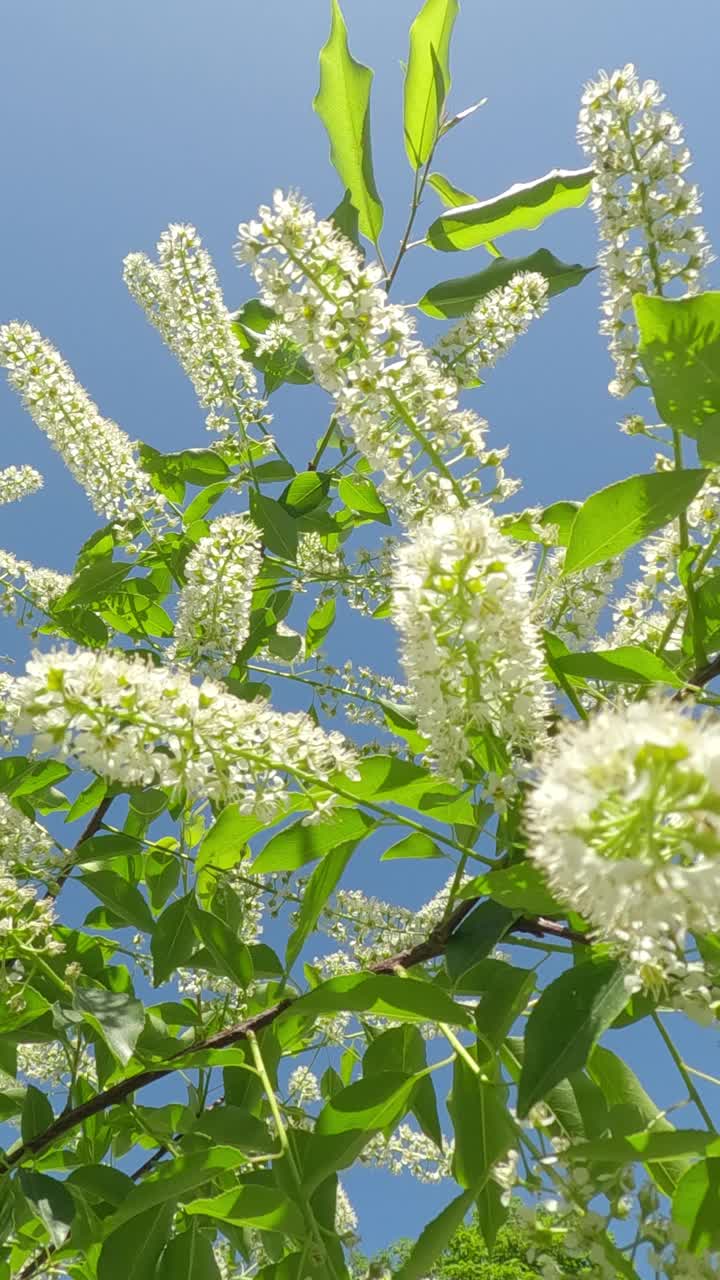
26,924
181,296
484,335
625,824
214,606
469,648
645,207
408,1151
346,1221
303,1086
98,454
131,722
396,398
24,585
25,846
18,482
571,606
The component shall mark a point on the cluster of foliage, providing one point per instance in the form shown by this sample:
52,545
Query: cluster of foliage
553,752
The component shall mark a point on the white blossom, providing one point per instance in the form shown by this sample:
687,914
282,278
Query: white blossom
395,397
98,454
409,1151
469,648
488,332
137,724
625,824
181,296
26,925
18,482
646,208
27,586
571,606
213,617
303,1086
25,846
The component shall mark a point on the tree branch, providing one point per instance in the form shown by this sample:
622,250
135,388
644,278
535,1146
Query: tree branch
430,949
699,678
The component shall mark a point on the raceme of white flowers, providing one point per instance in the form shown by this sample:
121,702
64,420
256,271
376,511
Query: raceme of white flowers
181,296
646,208
470,651
571,606
213,617
496,322
26,924
25,846
26,585
394,396
134,723
18,482
98,454
625,824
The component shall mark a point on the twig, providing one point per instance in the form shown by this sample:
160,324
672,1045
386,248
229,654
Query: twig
699,678
93,826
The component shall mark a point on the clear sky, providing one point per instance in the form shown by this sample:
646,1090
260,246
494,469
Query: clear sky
121,118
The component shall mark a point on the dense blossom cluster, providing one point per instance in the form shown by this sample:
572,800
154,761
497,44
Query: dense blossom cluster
646,208
181,296
213,616
25,586
571,606
469,648
624,823
488,332
395,397
18,482
25,846
133,723
98,454
26,929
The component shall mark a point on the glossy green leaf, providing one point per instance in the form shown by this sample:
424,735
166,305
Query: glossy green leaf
297,845
484,1129
404,999
435,1237
450,195
492,1211
343,104
367,1105
51,1201
522,887
278,526
629,664
174,1179
427,78
696,1206
305,491
230,956
173,940
319,624
402,1049
267,1208
646,1148
115,1015
37,1113
387,779
359,494
320,886
92,585
506,990
680,349
132,1251
123,899
188,1256
456,297
235,1127
522,207
566,1022
20,776
617,517
476,937
416,845
345,217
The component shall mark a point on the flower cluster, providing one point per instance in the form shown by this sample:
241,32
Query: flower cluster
25,846
24,585
469,648
395,397
213,618
98,454
137,724
625,824
26,929
408,1151
18,482
181,296
646,208
488,332
571,606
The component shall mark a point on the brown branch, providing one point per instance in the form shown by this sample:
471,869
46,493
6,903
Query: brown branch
93,826
430,949
699,678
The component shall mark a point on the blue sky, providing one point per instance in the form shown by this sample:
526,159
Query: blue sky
121,118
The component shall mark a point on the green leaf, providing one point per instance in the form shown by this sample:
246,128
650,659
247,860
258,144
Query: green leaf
369,1104
427,78
522,887
173,940
615,518
305,491
134,611
435,1237
98,848
456,297
343,104
680,349
230,955
403,1049
20,776
484,1130
188,1256
522,207
387,779
296,845
226,842
252,1206
174,1179
404,999
567,1020
37,1114
450,195
116,1016
416,845
696,1206
101,1183
359,494
235,1127
131,1252
632,1109
91,585
492,1212
319,624
648,1148
51,1201
123,899
629,664
506,990
478,934
170,472
345,217
279,528
321,884
202,502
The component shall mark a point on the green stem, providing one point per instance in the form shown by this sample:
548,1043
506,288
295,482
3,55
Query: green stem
684,1073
